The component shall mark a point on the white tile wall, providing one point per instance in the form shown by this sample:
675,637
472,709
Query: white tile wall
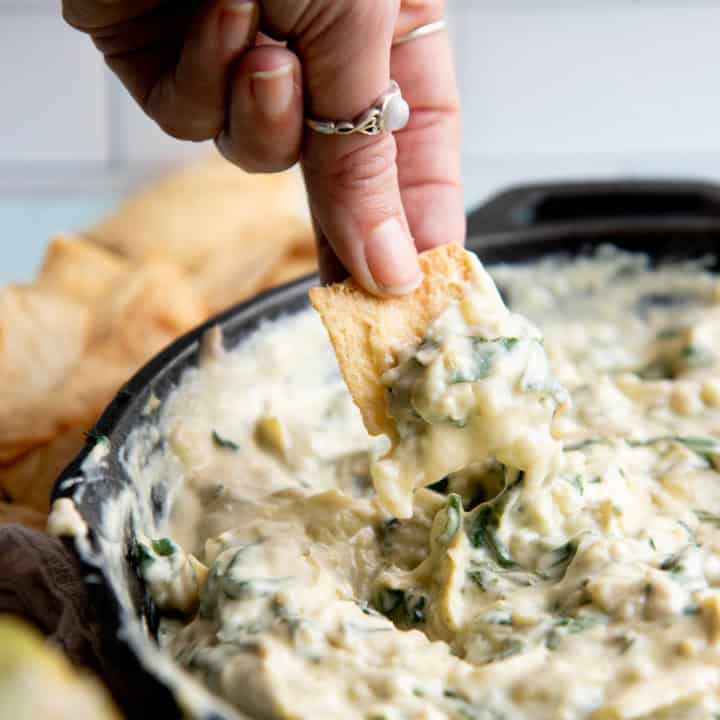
53,92
577,80
136,139
551,88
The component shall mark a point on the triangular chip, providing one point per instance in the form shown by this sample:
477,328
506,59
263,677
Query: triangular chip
81,270
367,332
204,209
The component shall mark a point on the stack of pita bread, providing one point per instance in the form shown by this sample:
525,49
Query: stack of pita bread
107,299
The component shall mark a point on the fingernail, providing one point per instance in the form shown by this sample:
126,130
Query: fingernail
273,90
392,258
236,22
240,6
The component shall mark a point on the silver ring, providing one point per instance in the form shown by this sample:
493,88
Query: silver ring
421,31
388,114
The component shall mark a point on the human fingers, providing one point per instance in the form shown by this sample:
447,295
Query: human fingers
352,180
175,58
188,101
429,147
91,15
264,124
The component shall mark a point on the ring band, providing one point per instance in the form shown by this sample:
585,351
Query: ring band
422,31
388,114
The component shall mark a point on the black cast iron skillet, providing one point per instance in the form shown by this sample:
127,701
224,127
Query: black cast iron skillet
668,220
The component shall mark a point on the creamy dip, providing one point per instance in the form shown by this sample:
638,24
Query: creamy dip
595,593
477,387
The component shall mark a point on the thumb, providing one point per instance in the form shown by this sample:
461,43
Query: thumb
352,180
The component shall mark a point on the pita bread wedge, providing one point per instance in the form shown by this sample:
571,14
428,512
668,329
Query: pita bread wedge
193,213
236,270
79,269
156,303
367,332
75,403
43,337
60,363
28,480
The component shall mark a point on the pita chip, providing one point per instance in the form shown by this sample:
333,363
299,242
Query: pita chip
367,332
28,480
156,303
43,336
236,270
80,269
193,213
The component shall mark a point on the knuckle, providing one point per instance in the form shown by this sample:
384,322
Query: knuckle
437,125
376,15
366,168
371,20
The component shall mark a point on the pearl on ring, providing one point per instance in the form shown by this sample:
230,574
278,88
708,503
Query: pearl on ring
396,113
389,114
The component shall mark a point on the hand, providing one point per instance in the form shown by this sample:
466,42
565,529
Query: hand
245,73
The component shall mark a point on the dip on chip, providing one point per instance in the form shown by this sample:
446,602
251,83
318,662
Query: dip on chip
447,372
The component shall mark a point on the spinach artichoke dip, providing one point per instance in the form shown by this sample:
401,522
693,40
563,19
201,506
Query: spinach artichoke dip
564,562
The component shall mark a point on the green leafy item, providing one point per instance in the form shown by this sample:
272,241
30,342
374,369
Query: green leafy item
224,443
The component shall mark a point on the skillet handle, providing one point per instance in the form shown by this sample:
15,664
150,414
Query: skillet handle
545,206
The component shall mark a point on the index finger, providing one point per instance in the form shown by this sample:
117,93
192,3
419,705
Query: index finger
352,180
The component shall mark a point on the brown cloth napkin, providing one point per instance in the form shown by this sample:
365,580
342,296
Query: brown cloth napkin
41,581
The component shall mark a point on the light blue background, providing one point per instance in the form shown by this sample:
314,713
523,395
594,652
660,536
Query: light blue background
27,222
